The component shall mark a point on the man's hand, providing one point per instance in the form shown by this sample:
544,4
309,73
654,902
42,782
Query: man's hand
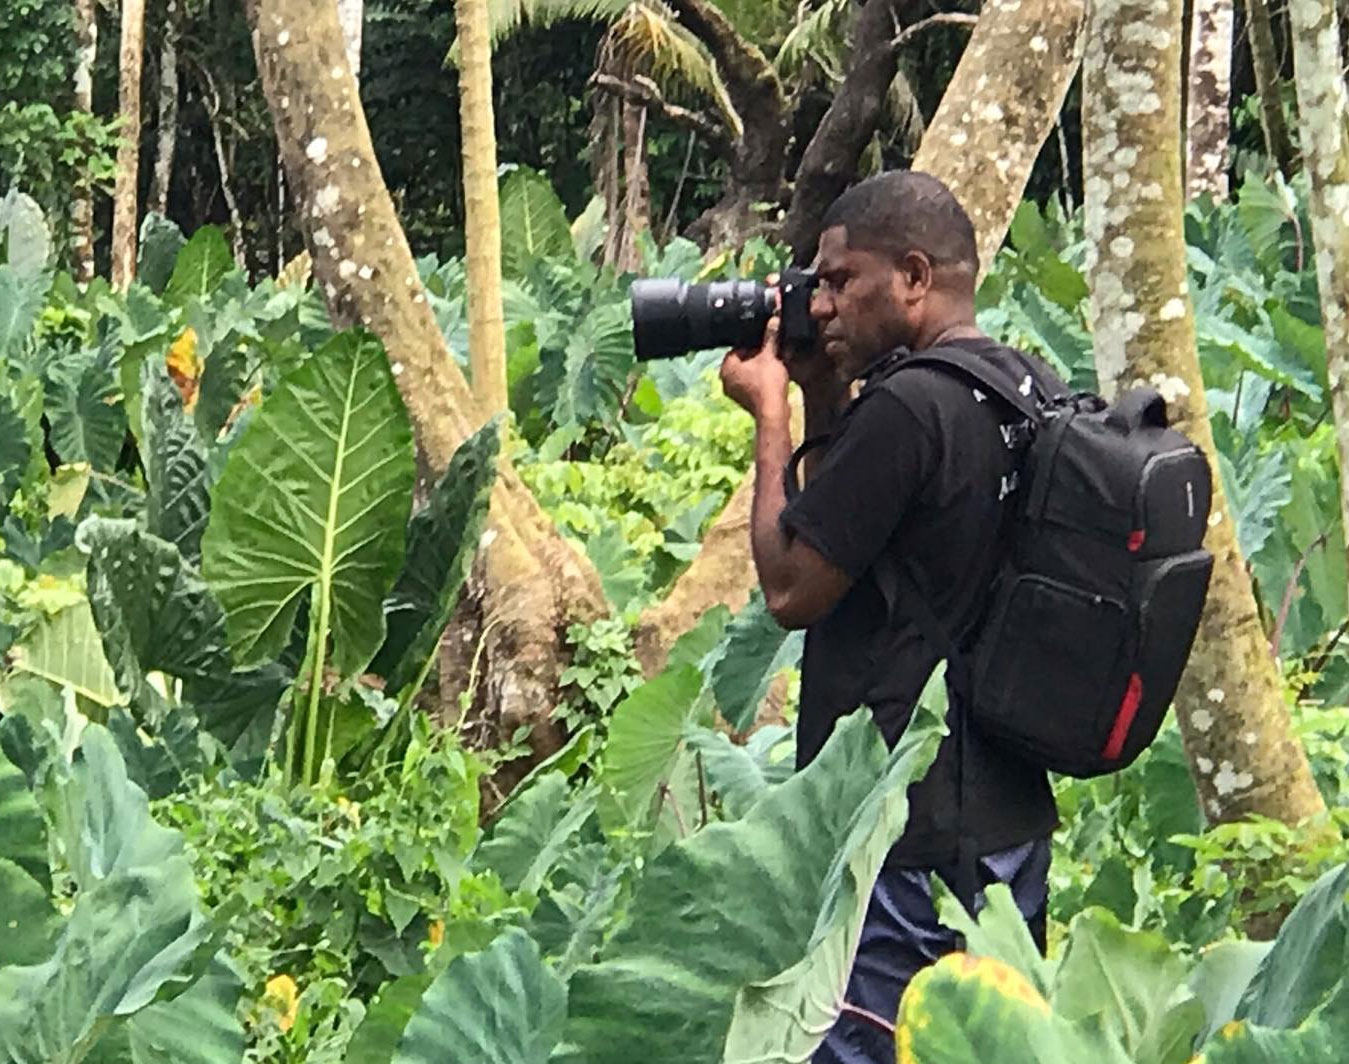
757,380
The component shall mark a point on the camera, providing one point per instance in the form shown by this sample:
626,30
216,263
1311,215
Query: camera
671,317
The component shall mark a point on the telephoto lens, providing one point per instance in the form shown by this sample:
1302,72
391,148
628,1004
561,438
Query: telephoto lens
671,317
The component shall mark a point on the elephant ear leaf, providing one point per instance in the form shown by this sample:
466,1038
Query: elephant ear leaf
314,500
441,541
177,502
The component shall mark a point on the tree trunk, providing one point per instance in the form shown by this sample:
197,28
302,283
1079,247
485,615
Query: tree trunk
830,160
482,218
532,582
636,188
1323,109
124,215
82,210
351,16
1000,106
166,131
1209,99
1265,62
1230,706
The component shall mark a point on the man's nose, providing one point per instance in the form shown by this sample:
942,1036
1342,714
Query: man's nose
821,304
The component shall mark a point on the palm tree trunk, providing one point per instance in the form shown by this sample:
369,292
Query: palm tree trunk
1323,108
531,583
166,135
1242,752
636,187
124,205
1209,99
482,222
82,211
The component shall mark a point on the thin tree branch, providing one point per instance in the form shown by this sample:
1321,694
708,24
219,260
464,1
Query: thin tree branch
1288,591
870,1017
668,796
644,92
945,18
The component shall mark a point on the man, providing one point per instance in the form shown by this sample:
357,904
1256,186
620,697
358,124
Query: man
914,477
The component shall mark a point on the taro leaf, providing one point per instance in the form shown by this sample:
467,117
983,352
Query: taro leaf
200,267
1170,805
969,1009
1224,971
1269,216
442,539
999,931
88,422
30,551
533,222
1126,982
497,1006
533,832
785,1018
588,229
197,1027
376,1039
21,298
135,923
158,764
156,614
644,742
577,908
23,836
1319,1040
733,772
29,922
757,648
15,451
177,500
314,496
66,650
160,242
25,237
584,382
732,904
1307,960
225,378
1257,351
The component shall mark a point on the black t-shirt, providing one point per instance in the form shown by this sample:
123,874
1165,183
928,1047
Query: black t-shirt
918,469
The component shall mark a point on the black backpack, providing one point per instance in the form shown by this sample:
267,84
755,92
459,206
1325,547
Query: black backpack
1097,599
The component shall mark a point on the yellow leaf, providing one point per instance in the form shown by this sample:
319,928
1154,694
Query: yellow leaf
281,996
185,367
435,934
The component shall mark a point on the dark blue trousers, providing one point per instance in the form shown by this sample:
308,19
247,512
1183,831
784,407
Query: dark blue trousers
901,935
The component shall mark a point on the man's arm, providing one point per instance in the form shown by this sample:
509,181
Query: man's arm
800,586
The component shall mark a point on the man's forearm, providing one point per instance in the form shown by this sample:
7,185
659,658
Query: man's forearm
768,544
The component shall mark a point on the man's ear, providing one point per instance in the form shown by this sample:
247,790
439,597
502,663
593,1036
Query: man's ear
913,274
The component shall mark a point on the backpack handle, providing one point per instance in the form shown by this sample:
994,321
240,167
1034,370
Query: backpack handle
1138,408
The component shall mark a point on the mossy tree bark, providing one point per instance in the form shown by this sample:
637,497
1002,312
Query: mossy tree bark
1230,705
166,121
998,110
1209,99
1323,108
529,581
1265,62
82,210
124,204
482,219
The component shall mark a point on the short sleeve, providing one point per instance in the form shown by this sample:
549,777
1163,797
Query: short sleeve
869,478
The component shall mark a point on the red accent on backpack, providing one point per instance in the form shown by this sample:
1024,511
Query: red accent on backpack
1136,539
1128,706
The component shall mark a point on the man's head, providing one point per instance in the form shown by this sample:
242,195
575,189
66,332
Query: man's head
897,264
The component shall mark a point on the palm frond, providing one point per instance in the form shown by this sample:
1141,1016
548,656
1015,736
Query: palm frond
819,36
505,17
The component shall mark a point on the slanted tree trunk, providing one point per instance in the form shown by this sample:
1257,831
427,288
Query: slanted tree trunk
1232,715
1209,99
166,129
531,582
482,218
351,16
1323,110
124,213
82,210
983,140
1265,62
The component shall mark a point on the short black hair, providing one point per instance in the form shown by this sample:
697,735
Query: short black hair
900,211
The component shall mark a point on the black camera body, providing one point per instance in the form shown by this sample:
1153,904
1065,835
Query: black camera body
671,317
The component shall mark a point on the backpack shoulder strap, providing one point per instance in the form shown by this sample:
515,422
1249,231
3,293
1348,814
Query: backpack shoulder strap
1024,400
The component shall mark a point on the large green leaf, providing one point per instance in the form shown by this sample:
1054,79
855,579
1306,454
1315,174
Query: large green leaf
644,741
442,539
999,931
177,501
88,421
756,649
23,836
21,297
584,381
533,222
314,496
197,1027
66,650
1318,1040
29,922
1308,957
693,941
376,1039
25,237
739,775
157,251
498,1006
1257,489
783,1019
534,830
135,923
200,267
15,451
1222,975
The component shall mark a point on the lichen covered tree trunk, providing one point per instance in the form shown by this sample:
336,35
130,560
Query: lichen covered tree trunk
482,218
1232,715
351,17
998,110
530,581
82,210
1323,108
166,123
1209,99
124,212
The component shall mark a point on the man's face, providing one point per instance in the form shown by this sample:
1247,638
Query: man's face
863,306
